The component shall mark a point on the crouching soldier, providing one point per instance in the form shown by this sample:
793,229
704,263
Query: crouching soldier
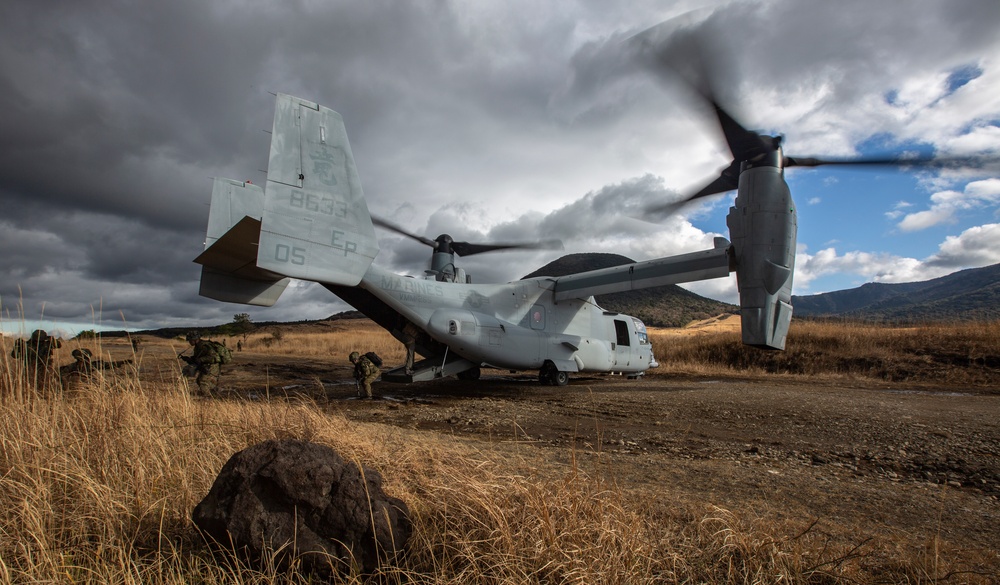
207,361
365,372
79,373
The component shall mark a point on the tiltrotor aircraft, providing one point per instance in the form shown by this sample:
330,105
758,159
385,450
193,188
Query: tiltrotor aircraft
311,222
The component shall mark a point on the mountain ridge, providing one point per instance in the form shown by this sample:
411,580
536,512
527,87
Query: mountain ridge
972,294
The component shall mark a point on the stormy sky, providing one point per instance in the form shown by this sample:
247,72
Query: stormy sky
514,120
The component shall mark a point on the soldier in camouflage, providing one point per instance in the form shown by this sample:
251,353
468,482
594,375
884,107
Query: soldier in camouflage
365,372
36,357
207,363
76,375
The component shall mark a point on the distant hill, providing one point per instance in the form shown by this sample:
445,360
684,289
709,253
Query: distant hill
967,295
665,306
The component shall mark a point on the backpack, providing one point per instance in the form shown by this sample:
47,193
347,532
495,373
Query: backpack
224,353
373,358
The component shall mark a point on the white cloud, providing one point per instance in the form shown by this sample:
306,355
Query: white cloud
925,219
877,267
946,204
976,246
973,248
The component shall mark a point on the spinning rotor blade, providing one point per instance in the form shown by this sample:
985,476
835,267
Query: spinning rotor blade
670,51
444,243
727,181
468,249
943,162
744,144
683,58
395,228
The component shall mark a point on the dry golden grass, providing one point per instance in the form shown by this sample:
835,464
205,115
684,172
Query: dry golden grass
964,354
99,488
335,342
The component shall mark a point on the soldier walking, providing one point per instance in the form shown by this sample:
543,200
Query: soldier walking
410,333
207,360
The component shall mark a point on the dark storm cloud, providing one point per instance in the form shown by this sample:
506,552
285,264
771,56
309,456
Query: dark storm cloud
115,107
116,115
491,122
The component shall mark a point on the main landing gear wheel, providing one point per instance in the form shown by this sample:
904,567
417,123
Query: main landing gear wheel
550,376
471,375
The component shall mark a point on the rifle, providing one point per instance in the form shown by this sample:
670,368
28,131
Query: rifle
186,358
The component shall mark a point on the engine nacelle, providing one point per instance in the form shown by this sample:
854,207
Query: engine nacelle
762,227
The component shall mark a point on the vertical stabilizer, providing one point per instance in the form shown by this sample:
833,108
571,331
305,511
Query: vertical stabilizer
315,224
229,263
231,202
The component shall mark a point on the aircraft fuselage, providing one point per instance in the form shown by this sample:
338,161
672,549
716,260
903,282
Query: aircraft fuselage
516,325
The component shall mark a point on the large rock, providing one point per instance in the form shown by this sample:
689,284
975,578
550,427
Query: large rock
328,512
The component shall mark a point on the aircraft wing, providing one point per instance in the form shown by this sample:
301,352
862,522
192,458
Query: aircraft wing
713,263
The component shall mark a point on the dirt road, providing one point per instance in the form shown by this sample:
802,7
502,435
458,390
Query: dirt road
922,461
915,465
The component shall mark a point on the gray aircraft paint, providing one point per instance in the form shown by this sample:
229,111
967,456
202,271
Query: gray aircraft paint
314,224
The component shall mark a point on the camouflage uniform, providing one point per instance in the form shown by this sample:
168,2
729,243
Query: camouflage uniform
36,356
410,332
365,372
207,363
76,374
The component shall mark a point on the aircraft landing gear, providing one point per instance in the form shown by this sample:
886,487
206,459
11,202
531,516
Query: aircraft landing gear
550,376
470,375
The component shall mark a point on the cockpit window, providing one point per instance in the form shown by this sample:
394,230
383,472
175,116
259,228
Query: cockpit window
640,331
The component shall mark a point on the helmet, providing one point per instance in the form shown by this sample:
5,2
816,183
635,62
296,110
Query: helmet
192,336
354,356
77,354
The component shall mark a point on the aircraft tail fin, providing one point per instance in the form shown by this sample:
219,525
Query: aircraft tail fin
315,223
229,268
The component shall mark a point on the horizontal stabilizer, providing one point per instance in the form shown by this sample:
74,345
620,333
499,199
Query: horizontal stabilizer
235,252
662,271
226,287
229,263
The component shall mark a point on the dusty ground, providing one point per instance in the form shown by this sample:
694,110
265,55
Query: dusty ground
917,465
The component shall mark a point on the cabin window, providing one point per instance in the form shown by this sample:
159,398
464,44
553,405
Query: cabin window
621,331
